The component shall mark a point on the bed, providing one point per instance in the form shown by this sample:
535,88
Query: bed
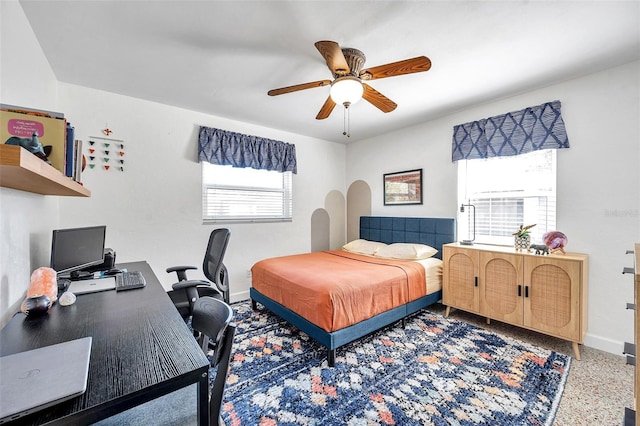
375,293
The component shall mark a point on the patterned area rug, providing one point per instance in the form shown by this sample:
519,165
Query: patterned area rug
435,371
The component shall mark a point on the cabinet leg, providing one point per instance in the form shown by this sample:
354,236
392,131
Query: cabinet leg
576,350
447,312
487,320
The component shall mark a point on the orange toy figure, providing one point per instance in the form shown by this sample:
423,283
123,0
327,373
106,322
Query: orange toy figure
43,283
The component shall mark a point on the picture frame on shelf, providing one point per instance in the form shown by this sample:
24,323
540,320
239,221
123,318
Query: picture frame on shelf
403,188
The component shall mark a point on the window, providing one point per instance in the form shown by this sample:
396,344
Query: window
232,194
507,192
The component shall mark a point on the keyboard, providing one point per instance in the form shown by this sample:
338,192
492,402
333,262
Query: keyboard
129,280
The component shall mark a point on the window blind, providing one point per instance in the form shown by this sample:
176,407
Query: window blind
245,194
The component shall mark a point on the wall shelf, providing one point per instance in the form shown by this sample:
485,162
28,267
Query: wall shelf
19,169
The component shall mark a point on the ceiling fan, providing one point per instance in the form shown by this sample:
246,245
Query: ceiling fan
348,85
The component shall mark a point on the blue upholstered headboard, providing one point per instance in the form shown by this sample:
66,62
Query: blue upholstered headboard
424,230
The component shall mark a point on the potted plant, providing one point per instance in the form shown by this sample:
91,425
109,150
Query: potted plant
522,240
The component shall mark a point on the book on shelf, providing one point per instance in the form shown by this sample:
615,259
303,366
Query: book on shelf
69,158
31,111
77,155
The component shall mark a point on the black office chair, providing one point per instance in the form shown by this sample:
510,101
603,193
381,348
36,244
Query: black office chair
185,292
212,319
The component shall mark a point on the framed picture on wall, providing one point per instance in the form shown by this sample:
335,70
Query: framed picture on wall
403,187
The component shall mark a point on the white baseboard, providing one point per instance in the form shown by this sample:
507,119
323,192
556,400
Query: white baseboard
604,344
237,297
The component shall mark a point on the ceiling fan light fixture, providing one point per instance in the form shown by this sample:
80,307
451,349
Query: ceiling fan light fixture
346,90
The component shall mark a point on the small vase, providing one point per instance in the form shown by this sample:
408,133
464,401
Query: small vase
522,243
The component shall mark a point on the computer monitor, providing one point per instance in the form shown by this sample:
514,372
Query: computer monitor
75,249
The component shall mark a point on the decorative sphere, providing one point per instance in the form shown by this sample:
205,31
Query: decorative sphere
36,305
555,240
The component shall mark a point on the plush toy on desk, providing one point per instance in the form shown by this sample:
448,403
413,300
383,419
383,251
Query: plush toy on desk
42,292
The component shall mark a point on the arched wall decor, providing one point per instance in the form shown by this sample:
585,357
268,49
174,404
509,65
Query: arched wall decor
320,230
358,204
339,221
334,203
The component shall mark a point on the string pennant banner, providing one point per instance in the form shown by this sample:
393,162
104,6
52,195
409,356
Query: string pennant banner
102,151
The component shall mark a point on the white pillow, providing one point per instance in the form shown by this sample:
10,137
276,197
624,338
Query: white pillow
363,247
406,251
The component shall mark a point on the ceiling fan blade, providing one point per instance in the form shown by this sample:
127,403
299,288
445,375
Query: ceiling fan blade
326,109
408,66
295,88
377,99
332,54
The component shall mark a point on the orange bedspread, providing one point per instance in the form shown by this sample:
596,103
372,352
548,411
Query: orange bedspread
335,289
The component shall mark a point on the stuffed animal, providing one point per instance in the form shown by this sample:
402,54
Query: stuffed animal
33,145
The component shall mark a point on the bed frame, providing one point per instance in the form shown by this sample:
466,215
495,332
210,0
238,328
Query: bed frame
431,231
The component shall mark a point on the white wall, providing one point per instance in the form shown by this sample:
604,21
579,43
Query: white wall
26,220
598,181
153,209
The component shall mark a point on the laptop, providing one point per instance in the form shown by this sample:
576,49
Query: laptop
93,285
39,378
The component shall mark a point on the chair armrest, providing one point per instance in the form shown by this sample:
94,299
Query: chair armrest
189,283
180,268
181,271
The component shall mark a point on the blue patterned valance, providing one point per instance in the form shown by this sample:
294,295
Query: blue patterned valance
518,132
235,149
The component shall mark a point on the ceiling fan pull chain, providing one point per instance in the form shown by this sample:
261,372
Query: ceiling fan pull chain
346,122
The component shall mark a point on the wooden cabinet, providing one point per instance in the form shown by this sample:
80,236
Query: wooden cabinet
547,294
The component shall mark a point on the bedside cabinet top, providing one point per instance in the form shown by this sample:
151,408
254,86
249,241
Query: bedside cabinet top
512,250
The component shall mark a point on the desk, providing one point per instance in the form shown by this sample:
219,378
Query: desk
141,350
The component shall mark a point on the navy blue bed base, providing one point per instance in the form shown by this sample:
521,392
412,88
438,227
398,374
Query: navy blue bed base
431,231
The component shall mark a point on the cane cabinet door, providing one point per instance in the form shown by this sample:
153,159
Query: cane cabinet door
460,282
501,286
553,294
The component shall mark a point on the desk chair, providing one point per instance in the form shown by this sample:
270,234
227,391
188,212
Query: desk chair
212,319
185,292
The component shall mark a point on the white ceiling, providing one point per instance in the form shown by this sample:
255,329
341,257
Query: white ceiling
221,57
